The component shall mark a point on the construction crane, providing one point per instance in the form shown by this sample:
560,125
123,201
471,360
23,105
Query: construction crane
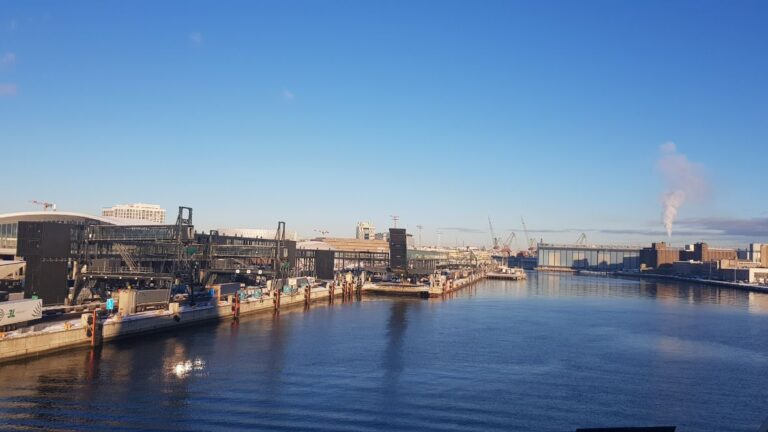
494,239
582,240
46,205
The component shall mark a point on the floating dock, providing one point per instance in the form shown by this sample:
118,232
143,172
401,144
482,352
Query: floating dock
506,273
395,289
454,285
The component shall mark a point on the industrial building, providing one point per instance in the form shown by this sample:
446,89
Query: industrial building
71,259
9,224
703,262
138,211
758,252
588,257
660,255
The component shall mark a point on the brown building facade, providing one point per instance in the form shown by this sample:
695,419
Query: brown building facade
659,255
703,253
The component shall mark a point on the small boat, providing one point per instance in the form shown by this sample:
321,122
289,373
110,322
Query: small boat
508,273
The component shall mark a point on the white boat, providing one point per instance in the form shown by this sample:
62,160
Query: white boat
508,273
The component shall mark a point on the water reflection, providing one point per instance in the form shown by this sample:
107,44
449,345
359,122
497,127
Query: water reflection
277,335
397,324
550,284
183,369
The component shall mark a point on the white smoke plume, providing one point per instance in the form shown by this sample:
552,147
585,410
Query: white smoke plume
683,181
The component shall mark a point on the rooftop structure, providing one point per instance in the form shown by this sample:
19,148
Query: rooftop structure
148,212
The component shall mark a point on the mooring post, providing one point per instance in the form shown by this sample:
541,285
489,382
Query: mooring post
276,299
95,328
236,307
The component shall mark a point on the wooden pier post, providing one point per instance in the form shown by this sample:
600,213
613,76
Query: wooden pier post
236,307
276,299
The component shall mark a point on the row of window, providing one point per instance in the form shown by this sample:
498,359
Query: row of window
152,215
8,234
589,259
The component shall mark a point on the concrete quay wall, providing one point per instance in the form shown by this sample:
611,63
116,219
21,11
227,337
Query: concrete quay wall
73,335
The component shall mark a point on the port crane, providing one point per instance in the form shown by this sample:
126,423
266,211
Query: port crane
46,205
528,240
494,239
507,244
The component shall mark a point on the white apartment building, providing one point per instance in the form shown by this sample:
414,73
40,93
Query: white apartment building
365,231
148,212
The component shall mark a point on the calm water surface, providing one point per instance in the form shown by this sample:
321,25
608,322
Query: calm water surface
550,354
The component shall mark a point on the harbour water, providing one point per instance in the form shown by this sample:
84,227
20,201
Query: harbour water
551,353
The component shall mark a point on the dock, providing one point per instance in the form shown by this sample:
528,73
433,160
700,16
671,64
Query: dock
395,289
454,285
51,337
47,338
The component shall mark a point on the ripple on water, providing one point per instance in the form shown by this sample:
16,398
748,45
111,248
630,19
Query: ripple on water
552,353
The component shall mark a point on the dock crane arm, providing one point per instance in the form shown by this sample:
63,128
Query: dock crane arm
525,230
582,240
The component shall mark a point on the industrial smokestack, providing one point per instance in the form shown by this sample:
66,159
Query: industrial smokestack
683,181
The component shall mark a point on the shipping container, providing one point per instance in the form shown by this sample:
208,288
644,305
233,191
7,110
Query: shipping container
20,311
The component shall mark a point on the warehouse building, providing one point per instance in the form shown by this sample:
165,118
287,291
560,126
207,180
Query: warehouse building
588,257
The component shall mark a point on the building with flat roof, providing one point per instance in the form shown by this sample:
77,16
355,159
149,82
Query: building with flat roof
758,252
365,231
661,256
148,212
588,257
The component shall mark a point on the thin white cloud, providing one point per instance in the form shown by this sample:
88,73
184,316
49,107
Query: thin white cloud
288,95
196,38
467,230
8,90
8,59
668,147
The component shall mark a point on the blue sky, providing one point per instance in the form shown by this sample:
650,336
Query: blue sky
326,113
